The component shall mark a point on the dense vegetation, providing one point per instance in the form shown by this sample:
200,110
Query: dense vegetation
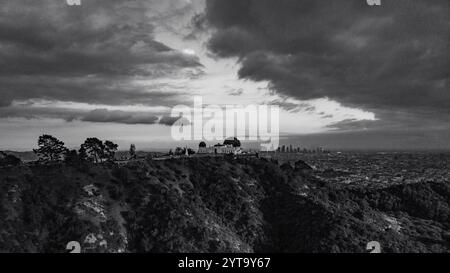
212,204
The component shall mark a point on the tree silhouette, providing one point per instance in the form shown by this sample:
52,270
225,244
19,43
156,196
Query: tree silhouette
179,151
234,141
50,149
132,151
110,150
92,149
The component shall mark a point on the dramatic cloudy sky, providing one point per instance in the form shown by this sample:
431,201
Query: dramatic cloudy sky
345,74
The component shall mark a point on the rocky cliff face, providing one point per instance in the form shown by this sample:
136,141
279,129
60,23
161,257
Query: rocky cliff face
213,205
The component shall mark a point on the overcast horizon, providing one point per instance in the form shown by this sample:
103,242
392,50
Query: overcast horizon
345,75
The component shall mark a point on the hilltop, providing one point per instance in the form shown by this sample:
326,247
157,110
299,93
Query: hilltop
213,204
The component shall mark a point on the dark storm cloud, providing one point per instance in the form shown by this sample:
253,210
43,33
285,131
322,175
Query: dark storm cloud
24,111
117,116
295,107
96,90
97,115
90,53
392,57
168,120
352,125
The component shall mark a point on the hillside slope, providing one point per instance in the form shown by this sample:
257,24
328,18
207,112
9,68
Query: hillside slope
213,205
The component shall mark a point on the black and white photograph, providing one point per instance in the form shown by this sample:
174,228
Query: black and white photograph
246,127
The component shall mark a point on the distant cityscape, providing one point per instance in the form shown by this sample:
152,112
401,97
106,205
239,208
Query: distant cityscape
374,169
292,149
